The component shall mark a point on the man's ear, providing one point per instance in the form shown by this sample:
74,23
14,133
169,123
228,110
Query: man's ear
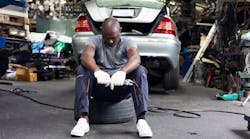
101,28
120,29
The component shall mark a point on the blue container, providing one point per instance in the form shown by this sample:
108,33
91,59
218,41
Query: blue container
2,42
186,61
37,46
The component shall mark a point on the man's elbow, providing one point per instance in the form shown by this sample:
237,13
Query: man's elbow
139,62
84,60
139,59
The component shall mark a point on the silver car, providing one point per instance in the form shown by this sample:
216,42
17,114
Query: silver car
146,22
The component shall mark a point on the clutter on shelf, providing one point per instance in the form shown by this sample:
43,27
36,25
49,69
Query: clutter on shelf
43,56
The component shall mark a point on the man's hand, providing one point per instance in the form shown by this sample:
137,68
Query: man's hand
102,77
128,82
117,79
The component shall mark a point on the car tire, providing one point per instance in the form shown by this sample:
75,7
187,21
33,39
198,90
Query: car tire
108,112
171,79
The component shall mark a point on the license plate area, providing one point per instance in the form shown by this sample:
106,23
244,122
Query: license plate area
123,13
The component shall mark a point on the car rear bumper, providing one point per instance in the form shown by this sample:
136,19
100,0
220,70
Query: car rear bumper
148,46
157,47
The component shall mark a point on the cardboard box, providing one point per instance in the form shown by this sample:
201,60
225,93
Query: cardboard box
25,74
32,77
21,74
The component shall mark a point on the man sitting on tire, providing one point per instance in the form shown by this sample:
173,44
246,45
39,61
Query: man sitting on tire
107,60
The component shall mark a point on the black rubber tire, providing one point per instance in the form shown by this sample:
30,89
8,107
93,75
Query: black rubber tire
107,112
171,79
4,61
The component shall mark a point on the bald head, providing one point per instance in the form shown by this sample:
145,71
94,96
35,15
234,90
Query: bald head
110,25
111,31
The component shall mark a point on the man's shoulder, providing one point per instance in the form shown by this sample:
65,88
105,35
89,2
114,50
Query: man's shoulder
95,41
96,37
128,42
126,39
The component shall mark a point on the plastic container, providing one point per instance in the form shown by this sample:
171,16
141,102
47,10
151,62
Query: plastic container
186,61
232,96
246,36
241,94
2,42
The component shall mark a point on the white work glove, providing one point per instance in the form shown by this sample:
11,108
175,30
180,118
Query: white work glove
117,79
128,82
102,77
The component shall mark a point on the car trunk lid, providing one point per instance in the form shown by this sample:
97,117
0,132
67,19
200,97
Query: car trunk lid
136,16
123,10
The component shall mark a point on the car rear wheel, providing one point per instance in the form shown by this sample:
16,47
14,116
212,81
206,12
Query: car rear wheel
171,79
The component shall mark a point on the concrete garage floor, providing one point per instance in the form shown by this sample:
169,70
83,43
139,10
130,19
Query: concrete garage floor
21,118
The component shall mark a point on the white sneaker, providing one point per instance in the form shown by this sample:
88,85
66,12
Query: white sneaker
81,127
143,128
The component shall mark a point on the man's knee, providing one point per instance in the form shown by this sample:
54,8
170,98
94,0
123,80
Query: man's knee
80,70
141,71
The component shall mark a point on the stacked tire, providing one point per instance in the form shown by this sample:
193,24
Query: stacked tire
109,112
4,61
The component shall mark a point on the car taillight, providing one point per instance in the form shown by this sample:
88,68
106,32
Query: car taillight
82,25
165,26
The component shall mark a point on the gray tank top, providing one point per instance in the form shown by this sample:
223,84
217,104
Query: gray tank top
110,59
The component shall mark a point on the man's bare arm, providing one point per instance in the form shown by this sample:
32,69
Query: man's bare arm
134,60
87,58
